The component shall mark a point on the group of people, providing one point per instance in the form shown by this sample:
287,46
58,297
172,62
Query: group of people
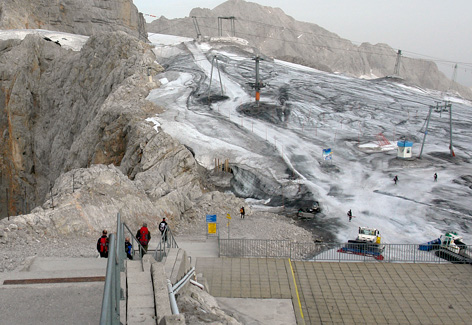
143,236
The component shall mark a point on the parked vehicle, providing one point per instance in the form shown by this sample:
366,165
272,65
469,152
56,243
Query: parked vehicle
367,243
309,212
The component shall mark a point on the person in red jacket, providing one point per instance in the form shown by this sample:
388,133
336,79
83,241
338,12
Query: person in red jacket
144,236
102,244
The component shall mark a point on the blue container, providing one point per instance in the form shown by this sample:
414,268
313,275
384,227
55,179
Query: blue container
434,244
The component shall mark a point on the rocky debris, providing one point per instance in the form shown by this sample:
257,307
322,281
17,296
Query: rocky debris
85,17
200,307
16,253
319,48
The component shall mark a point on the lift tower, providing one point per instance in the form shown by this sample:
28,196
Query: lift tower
197,28
220,25
396,70
258,85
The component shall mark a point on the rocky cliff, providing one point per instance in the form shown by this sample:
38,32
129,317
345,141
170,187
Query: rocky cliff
276,34
66,116
63,109
84,17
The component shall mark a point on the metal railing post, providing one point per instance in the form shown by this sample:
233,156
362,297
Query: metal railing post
108,309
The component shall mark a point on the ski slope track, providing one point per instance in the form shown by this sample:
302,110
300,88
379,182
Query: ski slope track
275,150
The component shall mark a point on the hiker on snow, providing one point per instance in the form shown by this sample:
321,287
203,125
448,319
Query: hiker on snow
435,177
349,214
395,179
144,236
242,212
102,244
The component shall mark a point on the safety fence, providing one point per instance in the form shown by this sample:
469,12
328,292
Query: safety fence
112,292
166,242
401,253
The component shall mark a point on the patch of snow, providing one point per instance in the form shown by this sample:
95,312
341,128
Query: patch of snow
68,41
163,39
155,122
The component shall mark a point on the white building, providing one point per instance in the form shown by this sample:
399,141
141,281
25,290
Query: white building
405,149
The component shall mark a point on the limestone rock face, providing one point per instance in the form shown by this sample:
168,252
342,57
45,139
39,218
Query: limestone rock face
76,145
85,17
276,34
63,109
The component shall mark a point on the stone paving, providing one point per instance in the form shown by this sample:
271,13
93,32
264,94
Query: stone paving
349,293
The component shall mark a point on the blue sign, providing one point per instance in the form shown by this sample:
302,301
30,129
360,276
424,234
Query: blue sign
211,217
327,154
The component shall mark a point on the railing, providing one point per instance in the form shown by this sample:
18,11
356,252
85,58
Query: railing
110,313
404,253
112,292
135,240
166,242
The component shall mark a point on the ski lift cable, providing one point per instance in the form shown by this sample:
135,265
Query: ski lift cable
435,59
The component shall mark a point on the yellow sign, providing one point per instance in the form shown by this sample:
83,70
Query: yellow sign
212,228
228,216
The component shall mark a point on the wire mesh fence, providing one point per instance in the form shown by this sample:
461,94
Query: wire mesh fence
350,252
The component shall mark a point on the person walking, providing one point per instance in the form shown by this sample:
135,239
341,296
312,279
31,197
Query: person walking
128,248
242,212
144,236
395,179
435,177
102,244
163,229
349,214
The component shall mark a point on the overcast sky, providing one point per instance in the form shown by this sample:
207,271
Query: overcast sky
436,29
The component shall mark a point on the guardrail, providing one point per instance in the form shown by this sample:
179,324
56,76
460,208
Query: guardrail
110,313
166,242
259,248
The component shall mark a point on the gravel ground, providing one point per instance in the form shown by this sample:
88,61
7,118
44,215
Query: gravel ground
14,253
255,225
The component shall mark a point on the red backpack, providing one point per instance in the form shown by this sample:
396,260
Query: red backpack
103,244
144,238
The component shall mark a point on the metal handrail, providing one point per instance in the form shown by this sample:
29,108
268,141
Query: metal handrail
181,283
110,313
134,239
167,239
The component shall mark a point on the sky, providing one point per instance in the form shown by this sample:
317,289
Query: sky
430,29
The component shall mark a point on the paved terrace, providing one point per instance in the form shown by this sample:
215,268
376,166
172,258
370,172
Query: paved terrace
349,293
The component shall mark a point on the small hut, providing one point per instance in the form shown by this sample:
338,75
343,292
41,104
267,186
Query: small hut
405,149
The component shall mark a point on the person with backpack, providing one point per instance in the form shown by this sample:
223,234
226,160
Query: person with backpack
128,248
163,229
102,244
395,179
144,236
242,212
